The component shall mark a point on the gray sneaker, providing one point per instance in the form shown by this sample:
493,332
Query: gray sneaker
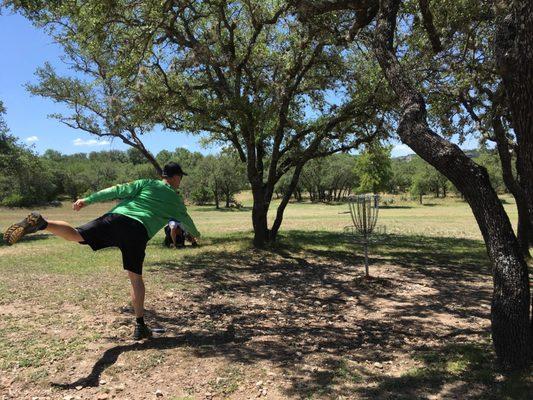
31,224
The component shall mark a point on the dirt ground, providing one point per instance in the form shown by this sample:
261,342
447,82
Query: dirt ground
275,325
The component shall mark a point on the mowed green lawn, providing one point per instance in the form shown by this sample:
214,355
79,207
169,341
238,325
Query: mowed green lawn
64,309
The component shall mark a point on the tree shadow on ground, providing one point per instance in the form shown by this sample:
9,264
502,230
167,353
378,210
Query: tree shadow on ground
304,306
224,209
395,207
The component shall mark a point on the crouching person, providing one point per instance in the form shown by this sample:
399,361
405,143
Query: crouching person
176,234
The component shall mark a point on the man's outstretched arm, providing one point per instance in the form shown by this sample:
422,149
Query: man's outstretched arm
122,191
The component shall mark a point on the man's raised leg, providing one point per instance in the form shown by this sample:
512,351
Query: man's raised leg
64,230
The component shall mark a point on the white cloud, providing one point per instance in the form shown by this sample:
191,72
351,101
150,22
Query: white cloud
90,142
401,150
32,139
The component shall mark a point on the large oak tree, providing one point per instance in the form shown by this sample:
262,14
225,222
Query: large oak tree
244,73
511,329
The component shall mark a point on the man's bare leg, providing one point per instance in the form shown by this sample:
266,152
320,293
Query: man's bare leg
137,293
64,230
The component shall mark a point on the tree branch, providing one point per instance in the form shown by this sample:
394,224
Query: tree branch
427,18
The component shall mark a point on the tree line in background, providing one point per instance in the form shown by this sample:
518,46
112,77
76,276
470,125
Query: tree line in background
31,179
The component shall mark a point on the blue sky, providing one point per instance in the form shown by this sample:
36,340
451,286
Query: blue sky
24,48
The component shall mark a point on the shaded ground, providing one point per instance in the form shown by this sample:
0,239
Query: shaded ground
295,322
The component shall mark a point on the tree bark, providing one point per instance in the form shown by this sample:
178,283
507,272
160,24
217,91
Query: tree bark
286,197
514,58
151,159
217,200
524,229
511,330
260,216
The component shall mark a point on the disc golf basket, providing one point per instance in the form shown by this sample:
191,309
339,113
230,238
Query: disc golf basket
364,210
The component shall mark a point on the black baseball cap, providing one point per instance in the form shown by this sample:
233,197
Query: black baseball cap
172,169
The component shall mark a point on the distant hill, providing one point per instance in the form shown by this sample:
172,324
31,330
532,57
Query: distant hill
473,153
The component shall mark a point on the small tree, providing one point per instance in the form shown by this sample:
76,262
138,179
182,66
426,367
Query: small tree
230,175
374,168
419,186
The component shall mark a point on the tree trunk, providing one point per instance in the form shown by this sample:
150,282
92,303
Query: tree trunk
138,144
217,200
259,216
524,229
228,199
514,57
285,201
420,199
511,329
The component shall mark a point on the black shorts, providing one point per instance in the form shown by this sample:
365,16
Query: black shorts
116,230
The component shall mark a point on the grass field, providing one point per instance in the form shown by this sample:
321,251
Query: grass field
294,321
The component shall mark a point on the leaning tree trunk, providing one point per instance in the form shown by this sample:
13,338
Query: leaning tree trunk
524,229
511,330
286,197
514,57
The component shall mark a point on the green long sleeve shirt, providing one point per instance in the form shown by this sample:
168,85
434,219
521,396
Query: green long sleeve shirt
151,202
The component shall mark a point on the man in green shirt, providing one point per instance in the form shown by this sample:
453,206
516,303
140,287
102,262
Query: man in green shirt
147,205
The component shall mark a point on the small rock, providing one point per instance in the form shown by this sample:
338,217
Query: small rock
120,387
378,365
68,397
79,387
259,383
102,396
264,392
158,393
103,382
